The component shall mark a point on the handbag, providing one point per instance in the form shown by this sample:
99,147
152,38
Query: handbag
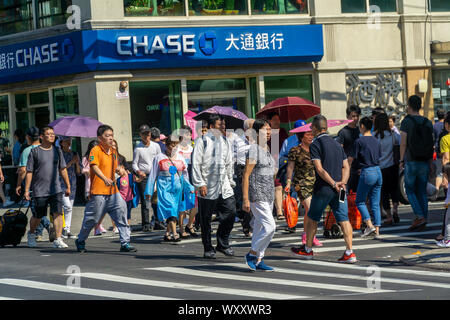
290,209
395,150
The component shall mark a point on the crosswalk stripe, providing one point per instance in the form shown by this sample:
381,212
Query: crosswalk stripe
294,283
364,268
8,298
383,279
192,287
375,245
82,291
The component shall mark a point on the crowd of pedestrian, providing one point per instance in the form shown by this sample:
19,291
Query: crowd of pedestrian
239,176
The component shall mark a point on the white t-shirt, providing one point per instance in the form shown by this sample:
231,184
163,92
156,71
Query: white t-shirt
143,156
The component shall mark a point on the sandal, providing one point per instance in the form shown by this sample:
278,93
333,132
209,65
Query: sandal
439,237
176,238
281,217
191,231
168,238
184,236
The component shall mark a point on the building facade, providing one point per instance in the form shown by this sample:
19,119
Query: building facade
130,62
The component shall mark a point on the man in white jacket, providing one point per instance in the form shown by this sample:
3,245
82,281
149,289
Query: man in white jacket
212,175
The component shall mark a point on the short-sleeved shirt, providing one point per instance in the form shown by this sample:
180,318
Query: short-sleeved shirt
261,181
408,125
107,163
347,137
368,152
25,154
437,130
45,166
445,143
332,156
304,175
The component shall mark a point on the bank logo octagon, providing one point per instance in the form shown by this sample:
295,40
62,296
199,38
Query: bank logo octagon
208,43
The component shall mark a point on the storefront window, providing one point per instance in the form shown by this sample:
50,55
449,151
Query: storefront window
217,7
157,104
5,134
439,5
353,6
39,97
385,5
441,91
65,101
154,8
15,16
52,12
204,94
288,86
279,6
21,101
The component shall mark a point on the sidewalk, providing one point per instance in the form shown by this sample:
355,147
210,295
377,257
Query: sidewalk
432,259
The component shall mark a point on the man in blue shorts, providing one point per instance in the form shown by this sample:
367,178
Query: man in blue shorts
332,173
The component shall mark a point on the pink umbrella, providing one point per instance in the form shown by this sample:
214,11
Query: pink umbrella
290,109
189,117
330,123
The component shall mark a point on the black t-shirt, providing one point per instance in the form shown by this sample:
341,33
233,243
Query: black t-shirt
368,152
332,156
347,137
408,125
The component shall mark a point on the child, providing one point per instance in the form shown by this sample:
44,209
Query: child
445,242
126,186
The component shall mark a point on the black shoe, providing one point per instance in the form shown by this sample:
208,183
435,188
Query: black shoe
80,246
209,255
147,228
127,248
191,231
290,230
228,252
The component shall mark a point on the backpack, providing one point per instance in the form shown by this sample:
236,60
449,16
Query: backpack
420,140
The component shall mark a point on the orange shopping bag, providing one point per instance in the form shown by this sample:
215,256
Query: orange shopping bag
290,209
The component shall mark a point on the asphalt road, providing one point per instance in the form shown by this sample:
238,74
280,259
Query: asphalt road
178,271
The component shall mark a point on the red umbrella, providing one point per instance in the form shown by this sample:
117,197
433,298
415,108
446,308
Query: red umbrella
290,109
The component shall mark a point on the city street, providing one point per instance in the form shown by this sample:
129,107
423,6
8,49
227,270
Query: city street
178,271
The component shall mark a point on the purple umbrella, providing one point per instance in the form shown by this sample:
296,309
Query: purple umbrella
76,126
234,119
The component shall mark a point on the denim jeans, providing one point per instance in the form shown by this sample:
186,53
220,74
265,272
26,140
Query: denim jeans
370,182
416,179
45,224
324,197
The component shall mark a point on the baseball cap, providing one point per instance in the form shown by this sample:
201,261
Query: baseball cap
162,137
144,128
299,123
155,133
33,132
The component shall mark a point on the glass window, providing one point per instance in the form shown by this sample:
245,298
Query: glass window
439,5
39,97
217,7
157,104
65,101
21,101
279,6
441,91
52,12
15,16
154,8
5,133
385,5
353,6
204,94
288,86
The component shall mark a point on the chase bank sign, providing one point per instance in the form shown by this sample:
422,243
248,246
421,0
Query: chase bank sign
166,44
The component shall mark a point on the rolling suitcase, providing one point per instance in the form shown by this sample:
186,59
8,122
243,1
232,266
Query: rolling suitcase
13,225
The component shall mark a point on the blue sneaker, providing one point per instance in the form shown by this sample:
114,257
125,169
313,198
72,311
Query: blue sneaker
263,267
80,246
127,248
250,261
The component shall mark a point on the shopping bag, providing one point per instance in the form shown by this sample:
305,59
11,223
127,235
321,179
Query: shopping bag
290,209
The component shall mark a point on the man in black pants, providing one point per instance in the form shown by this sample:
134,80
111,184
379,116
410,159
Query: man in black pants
212,175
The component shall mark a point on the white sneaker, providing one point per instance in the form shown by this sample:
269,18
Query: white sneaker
115,230
59,243
97,232
368,232
31,240
443,243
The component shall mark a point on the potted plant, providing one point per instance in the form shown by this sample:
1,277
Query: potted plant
213,7
139,8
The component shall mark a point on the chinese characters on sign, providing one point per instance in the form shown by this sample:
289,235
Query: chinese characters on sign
6,61
376,90
260,41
